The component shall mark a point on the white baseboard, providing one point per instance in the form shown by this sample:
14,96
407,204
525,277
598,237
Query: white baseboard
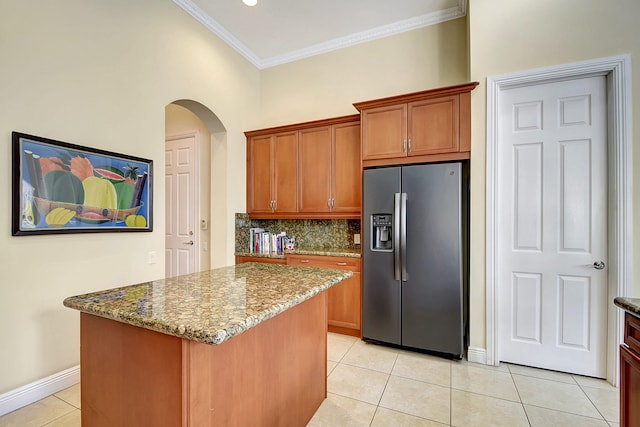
477,355
30,393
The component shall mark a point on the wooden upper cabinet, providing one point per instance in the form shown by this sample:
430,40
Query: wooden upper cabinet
330,174
285,173
384,132
272,169
428,126
259,174
347,172
315,170
433,126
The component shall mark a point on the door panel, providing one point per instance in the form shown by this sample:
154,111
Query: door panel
432,295
384,131
381,292
527,299
315,176
552,303
347,182
433,126
285,178
259,182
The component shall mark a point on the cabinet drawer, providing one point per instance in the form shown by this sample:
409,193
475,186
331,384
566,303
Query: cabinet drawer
340,263
265,260
632,332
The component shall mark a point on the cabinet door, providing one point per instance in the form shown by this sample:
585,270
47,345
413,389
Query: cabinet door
629,387
259,174
384,132
345,298
315,169
433,126
347,168
344,304
285,172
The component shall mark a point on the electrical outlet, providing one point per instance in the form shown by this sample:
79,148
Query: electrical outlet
153,258
356,239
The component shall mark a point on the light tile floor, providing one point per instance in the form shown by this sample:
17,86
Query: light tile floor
370,385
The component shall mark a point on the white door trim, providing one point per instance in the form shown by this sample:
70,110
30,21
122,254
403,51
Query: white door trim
620,243
196,233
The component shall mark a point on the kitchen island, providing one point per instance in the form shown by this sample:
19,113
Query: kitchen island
241,345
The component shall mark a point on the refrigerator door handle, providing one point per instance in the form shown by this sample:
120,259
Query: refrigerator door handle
403,234
396,236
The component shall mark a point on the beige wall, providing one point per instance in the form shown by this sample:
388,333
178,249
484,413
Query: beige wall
327,85
509,36
100,74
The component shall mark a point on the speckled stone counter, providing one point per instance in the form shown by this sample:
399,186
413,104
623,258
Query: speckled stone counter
212,306
343,252
631,305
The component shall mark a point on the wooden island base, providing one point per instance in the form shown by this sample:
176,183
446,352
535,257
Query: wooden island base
274,374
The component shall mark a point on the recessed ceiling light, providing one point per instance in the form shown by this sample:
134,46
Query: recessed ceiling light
250,2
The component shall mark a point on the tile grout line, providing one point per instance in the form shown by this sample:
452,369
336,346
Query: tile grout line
575,383
513,380
594,405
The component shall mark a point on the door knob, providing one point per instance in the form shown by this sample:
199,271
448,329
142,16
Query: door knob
598,265
190,242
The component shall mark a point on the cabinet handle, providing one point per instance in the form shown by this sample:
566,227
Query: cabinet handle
404,145
304,260
275,205
329,203
341,263
409,148
333,203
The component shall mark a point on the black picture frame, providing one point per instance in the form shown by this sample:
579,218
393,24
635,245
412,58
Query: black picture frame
60,188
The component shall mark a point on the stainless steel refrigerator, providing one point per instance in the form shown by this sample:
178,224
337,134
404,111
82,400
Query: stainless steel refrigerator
415,257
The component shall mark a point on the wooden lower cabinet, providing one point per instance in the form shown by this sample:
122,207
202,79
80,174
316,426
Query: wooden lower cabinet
630,373
241,259
345,299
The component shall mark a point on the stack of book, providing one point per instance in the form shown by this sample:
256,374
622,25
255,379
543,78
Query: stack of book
262,241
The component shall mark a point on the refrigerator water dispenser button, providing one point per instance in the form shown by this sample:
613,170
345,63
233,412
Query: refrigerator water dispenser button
381,232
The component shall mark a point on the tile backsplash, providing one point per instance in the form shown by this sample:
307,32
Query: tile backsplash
309,233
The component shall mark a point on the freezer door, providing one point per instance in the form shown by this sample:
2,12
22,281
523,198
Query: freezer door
432,295
381,292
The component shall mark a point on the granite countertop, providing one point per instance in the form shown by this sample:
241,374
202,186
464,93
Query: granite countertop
210,306
343,252
632,305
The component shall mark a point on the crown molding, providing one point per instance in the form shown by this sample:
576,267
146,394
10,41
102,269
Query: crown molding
213,26
414,23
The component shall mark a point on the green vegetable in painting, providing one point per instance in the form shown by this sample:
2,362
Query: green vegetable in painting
125,194
62,186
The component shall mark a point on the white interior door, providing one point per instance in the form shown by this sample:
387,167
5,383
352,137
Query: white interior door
552,214
180,180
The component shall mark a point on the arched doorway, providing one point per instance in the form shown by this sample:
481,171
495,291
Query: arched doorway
195,177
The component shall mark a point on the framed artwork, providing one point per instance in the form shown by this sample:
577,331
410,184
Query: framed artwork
59,187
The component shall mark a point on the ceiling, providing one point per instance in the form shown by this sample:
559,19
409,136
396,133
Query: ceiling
279,31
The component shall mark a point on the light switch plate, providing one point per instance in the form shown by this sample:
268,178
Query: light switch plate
356,239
